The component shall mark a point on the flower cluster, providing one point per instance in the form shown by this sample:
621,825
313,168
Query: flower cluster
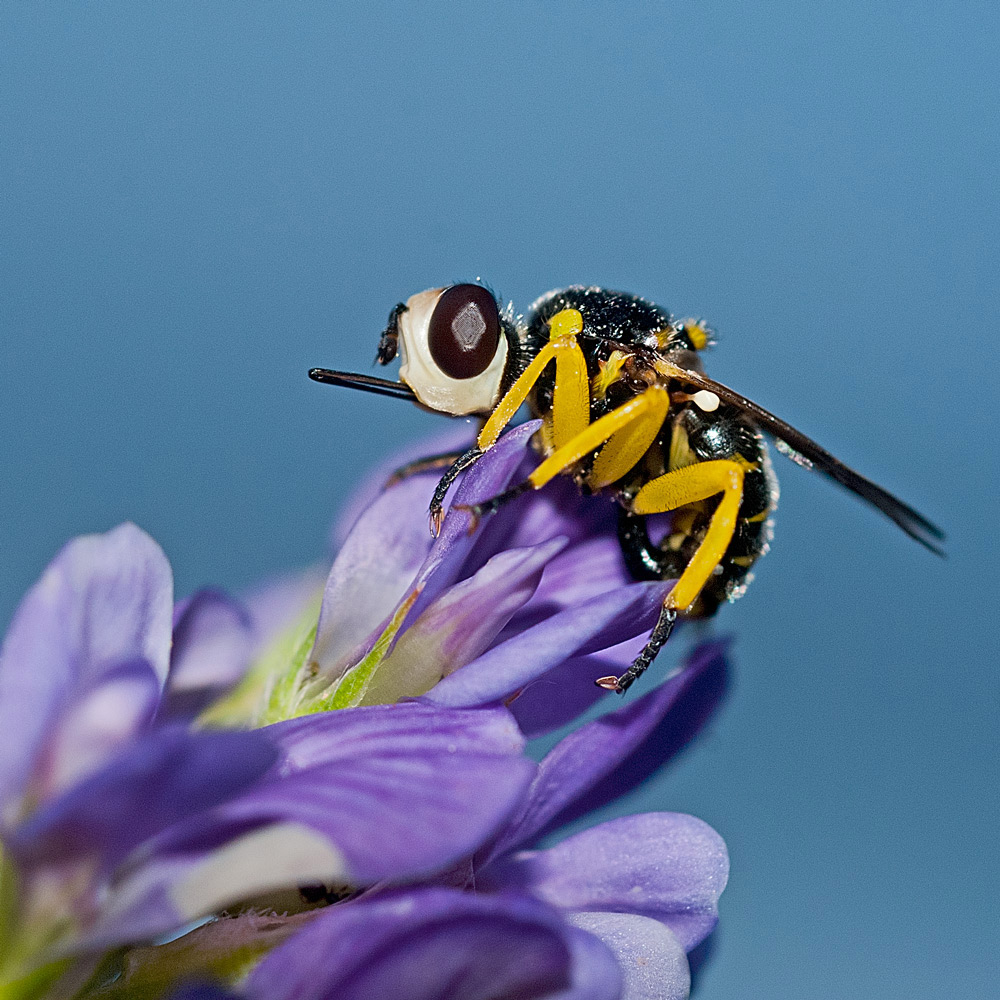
368,798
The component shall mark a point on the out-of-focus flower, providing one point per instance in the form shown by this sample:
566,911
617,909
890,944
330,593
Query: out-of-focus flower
118,827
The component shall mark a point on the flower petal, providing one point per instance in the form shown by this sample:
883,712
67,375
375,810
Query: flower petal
667,866
565,692
103,601
460,624
395,790
488,477
372,573
213,641
167,776
602,760
435,943
653,964
602,621
390,555
100,721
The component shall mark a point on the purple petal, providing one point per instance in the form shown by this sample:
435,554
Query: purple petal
105,600
213,642
167,776
565,692
390,555
460,624
559,509
653,964
602,760
596,624
666,866
488,477
431,944
396,790
577,574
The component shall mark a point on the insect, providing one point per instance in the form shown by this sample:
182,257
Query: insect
627,410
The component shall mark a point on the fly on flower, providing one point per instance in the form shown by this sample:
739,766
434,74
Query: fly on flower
629,411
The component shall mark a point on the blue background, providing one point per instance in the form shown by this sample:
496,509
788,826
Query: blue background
202,201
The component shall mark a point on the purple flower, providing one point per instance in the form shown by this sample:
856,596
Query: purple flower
122,822
121,825
608,912
535,599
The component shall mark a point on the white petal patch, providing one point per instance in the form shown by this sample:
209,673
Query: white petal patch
280,856
652,961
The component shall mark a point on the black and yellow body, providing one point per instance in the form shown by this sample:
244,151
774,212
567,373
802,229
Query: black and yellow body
622,338
628,411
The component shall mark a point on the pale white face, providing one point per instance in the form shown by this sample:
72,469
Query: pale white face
453,349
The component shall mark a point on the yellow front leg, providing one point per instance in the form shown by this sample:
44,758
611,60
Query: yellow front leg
688,485
571,395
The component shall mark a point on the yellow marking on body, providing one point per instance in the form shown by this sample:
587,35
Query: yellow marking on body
698,334
681,453
743,561
608,373
593,436
575,409
688,485
758,517
745,465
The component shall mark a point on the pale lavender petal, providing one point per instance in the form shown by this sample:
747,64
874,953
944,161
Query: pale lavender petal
101,721
460,624
104,600
593,625
667,866
169,775
213,643
279,603
395,789
602,760
432,944
372,573
653,964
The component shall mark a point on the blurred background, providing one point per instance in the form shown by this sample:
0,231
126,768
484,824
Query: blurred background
200,202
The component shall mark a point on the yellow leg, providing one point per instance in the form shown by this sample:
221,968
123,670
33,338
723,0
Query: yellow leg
641,413
571,396
626,446
687,485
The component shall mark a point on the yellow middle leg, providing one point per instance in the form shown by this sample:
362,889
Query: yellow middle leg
688,485
628,430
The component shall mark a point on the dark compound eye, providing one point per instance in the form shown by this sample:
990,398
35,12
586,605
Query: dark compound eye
464,331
